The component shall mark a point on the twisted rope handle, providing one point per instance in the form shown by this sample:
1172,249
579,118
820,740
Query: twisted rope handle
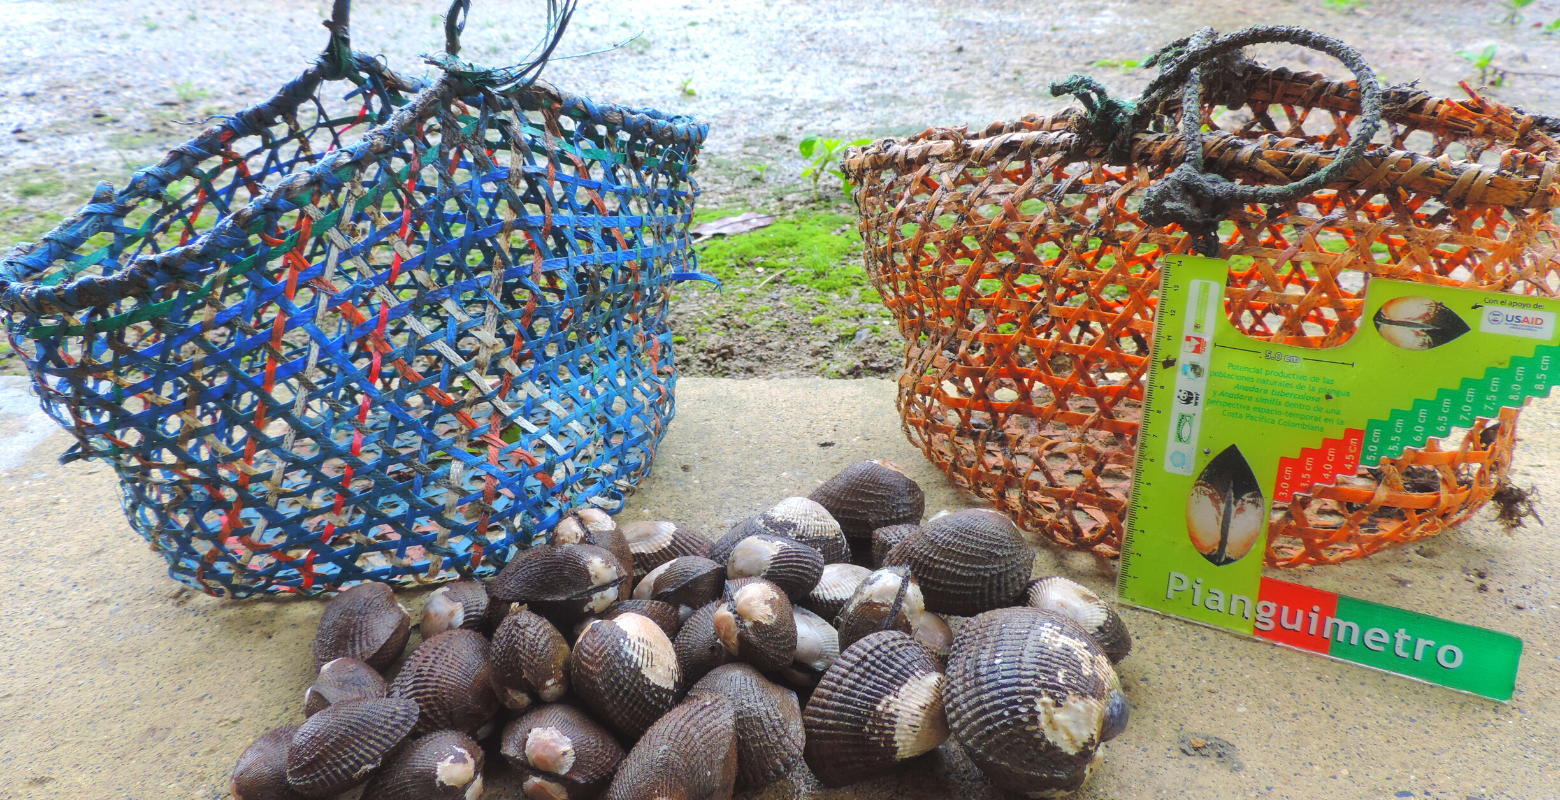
1196,200
455,25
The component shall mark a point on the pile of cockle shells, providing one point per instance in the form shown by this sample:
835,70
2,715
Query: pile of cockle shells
645,661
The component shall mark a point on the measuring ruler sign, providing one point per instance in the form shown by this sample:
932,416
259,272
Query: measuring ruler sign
1231,424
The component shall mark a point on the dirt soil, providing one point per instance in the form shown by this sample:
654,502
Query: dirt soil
89,91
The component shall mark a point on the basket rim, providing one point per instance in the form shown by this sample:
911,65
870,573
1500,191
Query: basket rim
18,295
1523,179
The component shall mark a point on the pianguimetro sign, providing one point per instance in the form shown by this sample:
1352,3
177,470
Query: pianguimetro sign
1231,425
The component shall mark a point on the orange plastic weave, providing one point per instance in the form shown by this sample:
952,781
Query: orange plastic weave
1024,283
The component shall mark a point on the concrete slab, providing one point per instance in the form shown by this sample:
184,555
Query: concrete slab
119,684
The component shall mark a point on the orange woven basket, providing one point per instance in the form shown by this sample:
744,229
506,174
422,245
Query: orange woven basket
1023,278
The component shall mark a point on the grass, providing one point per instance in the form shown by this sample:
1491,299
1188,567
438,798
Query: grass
815,249
45,188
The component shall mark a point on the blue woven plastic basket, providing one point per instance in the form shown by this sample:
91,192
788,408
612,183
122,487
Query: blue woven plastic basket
316,361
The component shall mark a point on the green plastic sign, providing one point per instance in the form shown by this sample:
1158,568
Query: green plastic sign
1232,424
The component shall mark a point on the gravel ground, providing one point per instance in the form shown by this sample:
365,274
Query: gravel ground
91,90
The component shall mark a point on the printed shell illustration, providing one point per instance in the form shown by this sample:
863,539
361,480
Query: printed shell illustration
1224,510
1418,323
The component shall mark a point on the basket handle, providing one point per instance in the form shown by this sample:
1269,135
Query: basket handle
337,58
1198,200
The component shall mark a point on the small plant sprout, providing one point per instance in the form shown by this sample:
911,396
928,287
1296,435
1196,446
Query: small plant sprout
187,92
1124,64
1552,25
1483,60
759,170
1343,6
687,87
1514,10
823,152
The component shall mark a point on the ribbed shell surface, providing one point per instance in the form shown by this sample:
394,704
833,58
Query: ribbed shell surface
787,563
807,522
877,707
451,679
869,495
596,527
564,583
364,622
337,748
462,604
871,608
655,543
1027,691
689,754
1086,608
342,680
442,765
698,648
663,614
261,771
887,538
765,627
768,723
967,562
834,588
592,755
720,551
626,671
689,581
530,661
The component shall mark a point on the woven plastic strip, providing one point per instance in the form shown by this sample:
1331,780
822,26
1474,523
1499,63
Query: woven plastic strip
1024,281
396,358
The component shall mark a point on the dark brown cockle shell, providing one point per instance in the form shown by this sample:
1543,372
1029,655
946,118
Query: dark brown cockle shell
755,623
686,581
444,765
625,670
596,527
691,753
664,614
967,562
462,604
561,753
807,522
879,706
530,661
720,551
834,589
261,771
698,649
768,723
787,563
884,601
1093,614
364,622
1030,699
451,679
564,583
655,543
342,680
336,749
886,539
869,495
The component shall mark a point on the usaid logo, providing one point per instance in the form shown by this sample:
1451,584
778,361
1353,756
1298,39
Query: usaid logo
1527,323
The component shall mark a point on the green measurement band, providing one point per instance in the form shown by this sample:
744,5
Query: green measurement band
1434,650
